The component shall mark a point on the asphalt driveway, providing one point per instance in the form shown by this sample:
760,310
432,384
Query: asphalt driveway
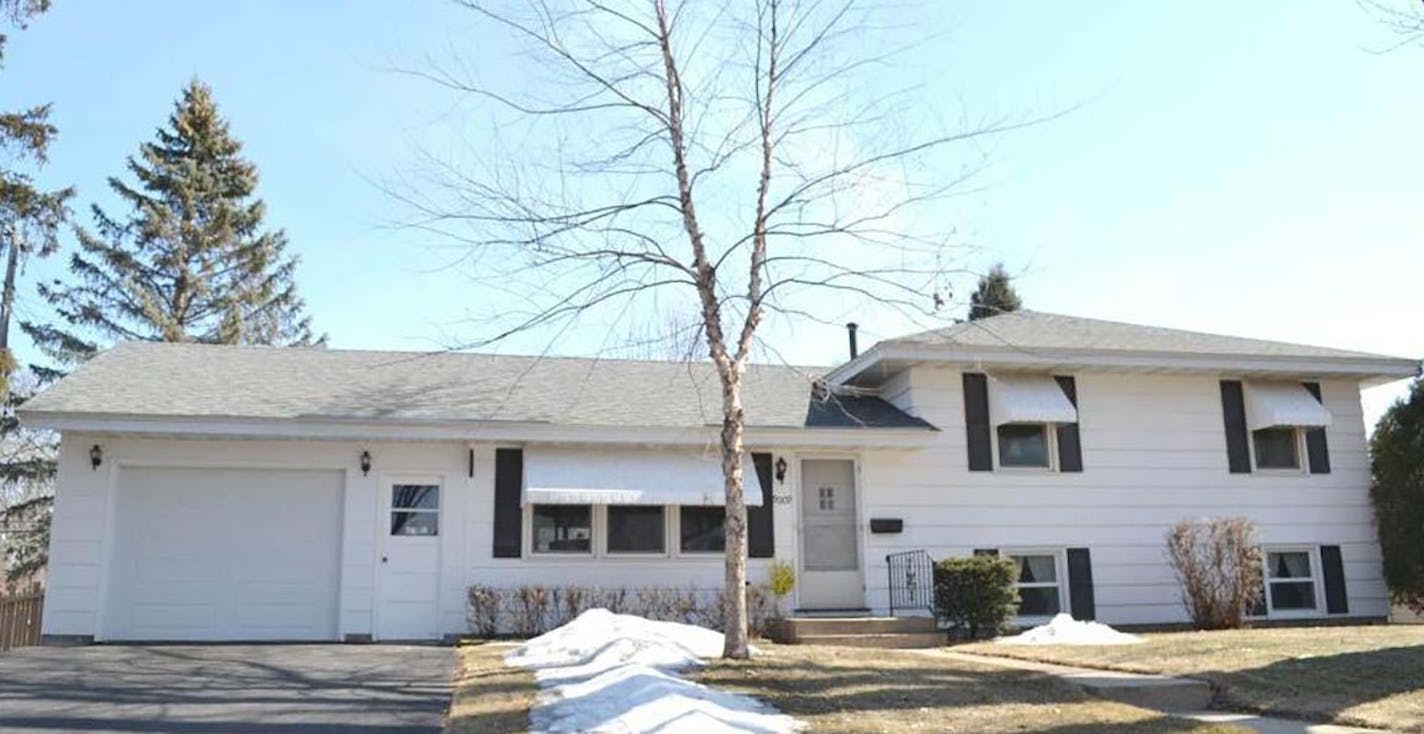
244,689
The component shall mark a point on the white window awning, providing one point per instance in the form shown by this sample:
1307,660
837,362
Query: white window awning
1028,399
560,476
1271,404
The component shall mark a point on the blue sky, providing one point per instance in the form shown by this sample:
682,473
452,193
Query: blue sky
1247,168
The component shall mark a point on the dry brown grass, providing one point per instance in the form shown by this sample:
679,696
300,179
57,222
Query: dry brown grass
856,691
490,697
1366,676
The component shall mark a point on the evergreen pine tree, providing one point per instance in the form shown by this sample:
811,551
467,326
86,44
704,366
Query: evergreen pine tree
1397,491
30,219
995,294
191,262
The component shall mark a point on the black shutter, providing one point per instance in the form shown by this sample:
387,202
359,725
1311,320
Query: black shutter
976,422
1070,448
1317,450
508,486
760,541
986,551
1333,569
1238,442
1080,584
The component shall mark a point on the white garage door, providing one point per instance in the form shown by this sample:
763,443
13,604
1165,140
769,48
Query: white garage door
224,554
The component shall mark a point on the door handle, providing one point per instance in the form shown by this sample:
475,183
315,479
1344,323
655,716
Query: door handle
384,559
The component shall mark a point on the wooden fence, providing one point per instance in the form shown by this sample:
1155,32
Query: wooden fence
20,619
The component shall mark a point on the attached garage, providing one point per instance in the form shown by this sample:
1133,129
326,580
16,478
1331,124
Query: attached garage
206,554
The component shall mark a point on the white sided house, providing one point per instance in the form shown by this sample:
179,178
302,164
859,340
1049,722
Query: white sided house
242,493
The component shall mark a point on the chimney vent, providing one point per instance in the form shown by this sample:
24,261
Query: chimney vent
850,330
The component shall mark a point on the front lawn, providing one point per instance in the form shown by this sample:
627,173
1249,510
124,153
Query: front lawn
1367,676
849,690
841,689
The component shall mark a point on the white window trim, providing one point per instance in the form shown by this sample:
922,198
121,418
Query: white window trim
437,511
675,533
1060,573
600,535
531,554
1313,553
1301,459
1050,430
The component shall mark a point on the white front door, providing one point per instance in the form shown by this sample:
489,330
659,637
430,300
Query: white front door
830,540
409,604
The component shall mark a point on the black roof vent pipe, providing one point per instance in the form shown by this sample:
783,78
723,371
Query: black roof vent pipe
850,330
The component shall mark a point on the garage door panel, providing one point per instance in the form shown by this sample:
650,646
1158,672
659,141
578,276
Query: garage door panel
225,554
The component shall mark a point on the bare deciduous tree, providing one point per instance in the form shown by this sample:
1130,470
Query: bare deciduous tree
717,154
1404,17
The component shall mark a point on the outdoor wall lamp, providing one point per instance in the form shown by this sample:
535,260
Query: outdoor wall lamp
365,463
96,457
781,469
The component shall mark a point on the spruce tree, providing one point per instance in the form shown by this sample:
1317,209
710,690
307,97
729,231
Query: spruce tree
30,218
1397,491
995,294
190,262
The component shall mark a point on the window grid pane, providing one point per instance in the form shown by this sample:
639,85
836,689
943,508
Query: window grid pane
1275,448
562,528
636,529
1023,444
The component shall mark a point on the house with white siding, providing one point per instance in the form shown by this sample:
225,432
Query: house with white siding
249,493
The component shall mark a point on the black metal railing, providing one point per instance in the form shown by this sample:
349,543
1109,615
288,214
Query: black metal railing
911,580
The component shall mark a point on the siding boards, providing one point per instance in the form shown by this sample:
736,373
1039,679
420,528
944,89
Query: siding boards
1153,454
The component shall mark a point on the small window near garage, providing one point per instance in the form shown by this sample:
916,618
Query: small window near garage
415,509
702,529
1290,581
1023,445
562,529
1276,448
636,529
1040,594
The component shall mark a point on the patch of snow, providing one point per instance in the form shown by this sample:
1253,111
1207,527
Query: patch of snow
1064,630
616,673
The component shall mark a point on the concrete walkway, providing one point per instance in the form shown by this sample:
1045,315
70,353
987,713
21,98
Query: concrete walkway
1185,698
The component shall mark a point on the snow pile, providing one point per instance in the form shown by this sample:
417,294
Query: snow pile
1064,630
606,672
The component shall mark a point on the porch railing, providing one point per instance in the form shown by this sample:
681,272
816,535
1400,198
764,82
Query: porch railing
20,619
911,581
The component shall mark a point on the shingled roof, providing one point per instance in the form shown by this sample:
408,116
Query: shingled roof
1027,330
191,381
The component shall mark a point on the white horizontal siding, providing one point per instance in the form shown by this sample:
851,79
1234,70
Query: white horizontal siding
1154,453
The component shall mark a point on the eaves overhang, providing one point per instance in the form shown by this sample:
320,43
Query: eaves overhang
327,428
884,360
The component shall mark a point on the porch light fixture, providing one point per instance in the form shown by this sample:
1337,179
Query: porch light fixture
365,463
781,469
96,457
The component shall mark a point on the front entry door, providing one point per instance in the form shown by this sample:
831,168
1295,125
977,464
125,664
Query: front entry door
830,540
409,564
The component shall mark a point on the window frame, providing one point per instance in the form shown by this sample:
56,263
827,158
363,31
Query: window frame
1050,433
601,534
1312,553
532,548
437,511
1060,575
1302,464
676,525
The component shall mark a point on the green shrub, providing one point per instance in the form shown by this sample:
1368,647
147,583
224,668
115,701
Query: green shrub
976,596
1397,464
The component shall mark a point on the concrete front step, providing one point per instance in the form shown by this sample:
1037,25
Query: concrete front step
886,640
